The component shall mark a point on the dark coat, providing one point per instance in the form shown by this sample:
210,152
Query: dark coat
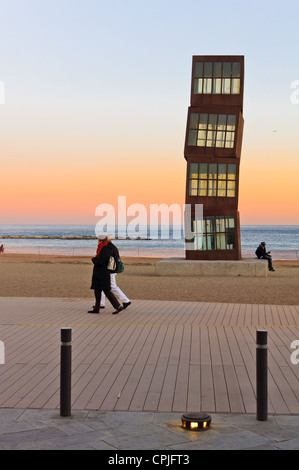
260,251
101,275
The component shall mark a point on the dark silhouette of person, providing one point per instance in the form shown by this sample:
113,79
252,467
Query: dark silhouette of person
101,276
261,253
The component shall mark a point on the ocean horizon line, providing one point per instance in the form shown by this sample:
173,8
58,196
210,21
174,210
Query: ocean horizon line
166,241
57,224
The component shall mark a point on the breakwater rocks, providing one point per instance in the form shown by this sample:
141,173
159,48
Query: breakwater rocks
64,237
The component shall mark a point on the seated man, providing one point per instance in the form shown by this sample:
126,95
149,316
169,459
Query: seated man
261,253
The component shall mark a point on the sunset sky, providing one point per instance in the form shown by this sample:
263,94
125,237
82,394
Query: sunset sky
96,100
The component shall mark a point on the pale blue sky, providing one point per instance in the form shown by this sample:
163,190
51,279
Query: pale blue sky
107,68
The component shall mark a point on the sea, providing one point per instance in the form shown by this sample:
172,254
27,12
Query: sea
160,242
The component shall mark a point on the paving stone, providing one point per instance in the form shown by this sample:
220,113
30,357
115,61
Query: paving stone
140,431
127,383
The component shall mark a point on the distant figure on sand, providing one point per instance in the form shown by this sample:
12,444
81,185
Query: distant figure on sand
2,248
261,253
114,287
101,276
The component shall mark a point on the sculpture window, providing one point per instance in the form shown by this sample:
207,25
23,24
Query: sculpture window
217,78
212,130
214,233
212,179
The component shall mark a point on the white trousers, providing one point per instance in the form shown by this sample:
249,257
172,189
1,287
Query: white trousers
115,290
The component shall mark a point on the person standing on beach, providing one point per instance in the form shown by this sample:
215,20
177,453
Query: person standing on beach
101,276
114,287
261,253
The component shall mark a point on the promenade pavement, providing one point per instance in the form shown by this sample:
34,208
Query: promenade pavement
134,374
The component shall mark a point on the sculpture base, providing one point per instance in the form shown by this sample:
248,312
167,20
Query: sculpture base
183,267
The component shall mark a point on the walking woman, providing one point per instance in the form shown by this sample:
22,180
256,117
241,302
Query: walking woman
101,276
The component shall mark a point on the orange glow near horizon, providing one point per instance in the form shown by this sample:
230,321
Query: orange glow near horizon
51,182
56,194
269,190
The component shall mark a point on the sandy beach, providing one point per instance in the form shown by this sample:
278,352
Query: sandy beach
69,277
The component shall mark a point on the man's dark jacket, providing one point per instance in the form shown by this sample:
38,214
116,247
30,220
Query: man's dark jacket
260,251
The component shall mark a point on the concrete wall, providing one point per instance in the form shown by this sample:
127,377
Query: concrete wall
183,267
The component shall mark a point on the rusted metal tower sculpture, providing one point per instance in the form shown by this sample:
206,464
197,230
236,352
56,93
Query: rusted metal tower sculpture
212,151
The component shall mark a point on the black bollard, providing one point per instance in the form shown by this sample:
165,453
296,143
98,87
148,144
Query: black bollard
261,375
65,371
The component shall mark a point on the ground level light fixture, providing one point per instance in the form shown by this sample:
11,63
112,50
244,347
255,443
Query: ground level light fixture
196,421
